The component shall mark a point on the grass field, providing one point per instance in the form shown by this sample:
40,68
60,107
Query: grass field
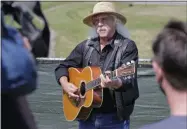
144,22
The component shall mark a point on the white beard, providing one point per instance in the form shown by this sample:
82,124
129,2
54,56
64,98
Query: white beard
120,28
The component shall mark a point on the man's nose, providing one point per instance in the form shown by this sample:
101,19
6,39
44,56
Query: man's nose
100,23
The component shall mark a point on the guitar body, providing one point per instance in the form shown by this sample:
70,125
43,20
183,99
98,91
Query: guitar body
88,82
81,109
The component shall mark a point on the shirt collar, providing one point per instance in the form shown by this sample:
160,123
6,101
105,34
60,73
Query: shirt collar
95,42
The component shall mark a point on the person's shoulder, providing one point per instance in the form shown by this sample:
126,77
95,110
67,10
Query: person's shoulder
86,42
81,44
156,125
168,123
130,43
149,126
127,39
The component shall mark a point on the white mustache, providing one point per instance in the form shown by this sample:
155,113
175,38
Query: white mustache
102,29
120,28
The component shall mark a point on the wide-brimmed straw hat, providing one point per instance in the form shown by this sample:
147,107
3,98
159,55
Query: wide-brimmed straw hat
106,8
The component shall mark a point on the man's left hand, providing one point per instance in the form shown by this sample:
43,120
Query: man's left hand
106,82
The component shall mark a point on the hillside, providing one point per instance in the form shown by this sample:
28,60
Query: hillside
143,22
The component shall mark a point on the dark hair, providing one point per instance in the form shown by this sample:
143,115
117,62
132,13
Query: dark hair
170,51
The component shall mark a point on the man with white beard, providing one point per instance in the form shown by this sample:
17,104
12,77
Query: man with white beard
108,47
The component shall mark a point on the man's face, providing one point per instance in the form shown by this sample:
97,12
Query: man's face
104,24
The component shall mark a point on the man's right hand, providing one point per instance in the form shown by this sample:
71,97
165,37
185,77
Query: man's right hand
71,90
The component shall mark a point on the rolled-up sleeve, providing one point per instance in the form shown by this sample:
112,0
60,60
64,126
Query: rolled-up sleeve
131,53
73,60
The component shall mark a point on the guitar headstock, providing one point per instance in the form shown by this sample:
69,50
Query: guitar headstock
127,70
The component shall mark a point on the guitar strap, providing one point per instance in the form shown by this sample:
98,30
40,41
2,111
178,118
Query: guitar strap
117,47
120,46
117,44
87,53
120,52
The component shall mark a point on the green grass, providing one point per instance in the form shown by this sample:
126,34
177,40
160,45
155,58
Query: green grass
144,22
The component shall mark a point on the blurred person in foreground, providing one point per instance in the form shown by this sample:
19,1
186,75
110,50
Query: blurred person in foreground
170,66
19,47
107,32
18,79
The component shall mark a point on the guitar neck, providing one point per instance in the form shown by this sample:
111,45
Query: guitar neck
94,83
122,71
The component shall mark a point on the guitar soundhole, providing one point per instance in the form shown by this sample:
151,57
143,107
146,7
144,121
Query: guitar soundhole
83,89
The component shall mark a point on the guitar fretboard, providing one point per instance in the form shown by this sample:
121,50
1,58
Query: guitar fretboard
92,84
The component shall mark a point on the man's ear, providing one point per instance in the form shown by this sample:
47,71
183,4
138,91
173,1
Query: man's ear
158,71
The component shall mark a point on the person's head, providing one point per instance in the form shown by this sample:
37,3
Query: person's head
104,20
104,24
170,56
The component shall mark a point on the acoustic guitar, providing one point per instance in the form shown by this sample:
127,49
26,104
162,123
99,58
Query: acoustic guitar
88,82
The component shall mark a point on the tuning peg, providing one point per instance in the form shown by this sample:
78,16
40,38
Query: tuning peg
132,61
128,63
